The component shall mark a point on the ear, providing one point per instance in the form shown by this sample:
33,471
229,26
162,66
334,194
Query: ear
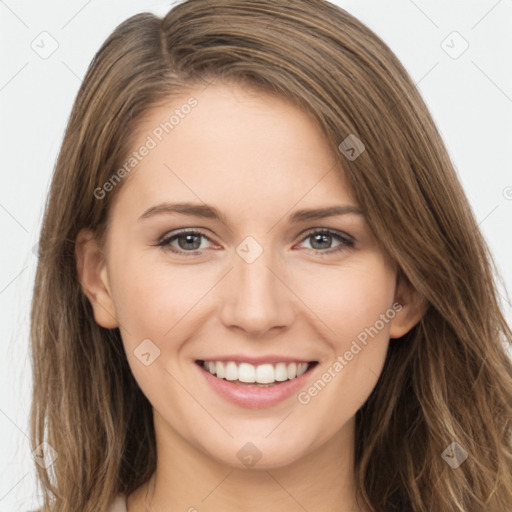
413,307
92,273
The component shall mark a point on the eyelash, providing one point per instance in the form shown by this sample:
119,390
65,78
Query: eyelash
346,241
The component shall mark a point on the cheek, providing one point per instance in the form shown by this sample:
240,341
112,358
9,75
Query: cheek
348,299
356,308
150,297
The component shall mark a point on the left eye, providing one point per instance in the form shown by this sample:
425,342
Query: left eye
189,242
324,237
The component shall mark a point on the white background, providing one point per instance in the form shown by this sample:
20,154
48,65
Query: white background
470,98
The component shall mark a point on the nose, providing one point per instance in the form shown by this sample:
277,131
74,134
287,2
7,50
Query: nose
255,297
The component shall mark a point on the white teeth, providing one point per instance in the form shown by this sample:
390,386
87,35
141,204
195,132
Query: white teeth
262,374
219,370
247,373
292,370
301,369
230,370
281,372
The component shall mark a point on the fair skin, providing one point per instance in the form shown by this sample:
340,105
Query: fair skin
257,159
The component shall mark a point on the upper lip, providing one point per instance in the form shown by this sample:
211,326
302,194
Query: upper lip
269,359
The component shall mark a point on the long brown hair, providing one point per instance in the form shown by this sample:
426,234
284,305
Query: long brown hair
448,380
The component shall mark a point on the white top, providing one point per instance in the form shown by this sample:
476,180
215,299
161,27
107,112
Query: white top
119,504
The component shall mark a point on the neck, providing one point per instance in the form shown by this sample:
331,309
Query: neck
186,479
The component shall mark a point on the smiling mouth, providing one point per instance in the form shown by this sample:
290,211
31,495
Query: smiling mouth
263,375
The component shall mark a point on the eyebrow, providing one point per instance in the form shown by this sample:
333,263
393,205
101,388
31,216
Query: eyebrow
210,212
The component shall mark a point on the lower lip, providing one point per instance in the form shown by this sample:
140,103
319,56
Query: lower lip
254,397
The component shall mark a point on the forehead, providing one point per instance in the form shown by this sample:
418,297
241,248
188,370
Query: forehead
225,144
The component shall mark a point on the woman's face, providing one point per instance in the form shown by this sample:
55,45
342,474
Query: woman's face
252,284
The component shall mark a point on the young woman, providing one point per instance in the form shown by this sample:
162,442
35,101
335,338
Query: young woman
260,284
